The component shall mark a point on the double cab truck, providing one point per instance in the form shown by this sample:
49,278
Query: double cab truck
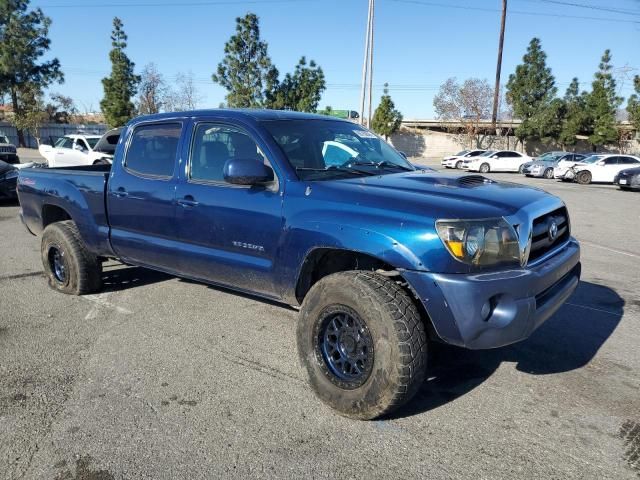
382,258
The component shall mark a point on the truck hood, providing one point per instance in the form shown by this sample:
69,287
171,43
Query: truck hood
429,195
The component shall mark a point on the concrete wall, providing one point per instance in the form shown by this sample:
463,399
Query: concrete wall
433,144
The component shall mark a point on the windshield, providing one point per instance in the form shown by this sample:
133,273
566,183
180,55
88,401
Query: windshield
326,149
592,159
459,154
488,153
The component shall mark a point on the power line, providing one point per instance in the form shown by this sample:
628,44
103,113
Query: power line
204,3
590,7
513,12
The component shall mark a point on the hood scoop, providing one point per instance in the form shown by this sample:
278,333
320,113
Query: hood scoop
473,180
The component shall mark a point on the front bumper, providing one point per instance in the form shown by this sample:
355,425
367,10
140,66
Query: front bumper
518,301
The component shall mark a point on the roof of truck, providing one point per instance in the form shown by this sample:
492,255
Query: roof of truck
252,113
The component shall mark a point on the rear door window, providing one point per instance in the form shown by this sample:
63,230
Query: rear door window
153,149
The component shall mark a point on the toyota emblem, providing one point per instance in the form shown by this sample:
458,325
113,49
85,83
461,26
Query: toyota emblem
553,230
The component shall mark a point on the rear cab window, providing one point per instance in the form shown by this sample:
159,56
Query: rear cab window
153,149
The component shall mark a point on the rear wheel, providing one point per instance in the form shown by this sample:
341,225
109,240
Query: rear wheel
484,168
363,344
69,266
583,178
548,173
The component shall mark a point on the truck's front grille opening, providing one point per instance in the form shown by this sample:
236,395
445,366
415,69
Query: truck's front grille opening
548,232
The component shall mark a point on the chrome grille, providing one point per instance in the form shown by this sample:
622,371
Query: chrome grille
542,240
7,150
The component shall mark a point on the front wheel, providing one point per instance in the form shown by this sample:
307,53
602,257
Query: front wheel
583,178
484,168
548,173
521,168
459,164
69,266
363,344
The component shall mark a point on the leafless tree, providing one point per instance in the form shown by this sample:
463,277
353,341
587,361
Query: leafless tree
184,96
468,105
152,90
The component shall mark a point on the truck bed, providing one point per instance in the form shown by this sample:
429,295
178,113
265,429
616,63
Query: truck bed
50,194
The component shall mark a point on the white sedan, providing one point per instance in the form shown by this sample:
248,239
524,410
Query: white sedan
455,161
499,161
70,151
600,168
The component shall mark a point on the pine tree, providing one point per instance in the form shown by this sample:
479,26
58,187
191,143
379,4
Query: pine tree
531,91
23,41
120,87
386,119
246,71
575,118
602,104
633,107
301,91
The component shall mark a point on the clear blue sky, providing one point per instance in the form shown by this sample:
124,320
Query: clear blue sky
418,43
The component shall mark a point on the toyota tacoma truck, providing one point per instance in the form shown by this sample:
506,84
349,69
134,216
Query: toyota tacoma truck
381,258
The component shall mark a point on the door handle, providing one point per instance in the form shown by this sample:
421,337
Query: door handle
187,202
120,193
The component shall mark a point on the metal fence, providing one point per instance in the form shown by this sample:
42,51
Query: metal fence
49,132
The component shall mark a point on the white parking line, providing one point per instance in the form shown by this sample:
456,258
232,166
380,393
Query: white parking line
595,245
100,301
593,308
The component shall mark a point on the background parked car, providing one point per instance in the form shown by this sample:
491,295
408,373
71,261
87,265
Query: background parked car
628,179
500,161
455,161
8,179
105,148
70,151
544,167
564,164
601,168
8,151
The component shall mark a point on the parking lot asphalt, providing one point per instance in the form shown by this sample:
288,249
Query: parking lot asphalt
158,377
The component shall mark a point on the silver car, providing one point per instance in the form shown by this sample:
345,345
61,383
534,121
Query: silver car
543,167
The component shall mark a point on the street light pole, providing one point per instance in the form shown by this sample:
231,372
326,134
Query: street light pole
369,111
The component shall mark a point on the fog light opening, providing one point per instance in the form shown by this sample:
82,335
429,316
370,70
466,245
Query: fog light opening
488,307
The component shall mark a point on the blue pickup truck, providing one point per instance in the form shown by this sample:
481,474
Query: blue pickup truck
382,257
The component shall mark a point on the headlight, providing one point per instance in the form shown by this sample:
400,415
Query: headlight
480,242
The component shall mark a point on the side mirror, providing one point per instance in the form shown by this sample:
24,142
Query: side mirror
494,156
240,171
600,162
403,154
78,147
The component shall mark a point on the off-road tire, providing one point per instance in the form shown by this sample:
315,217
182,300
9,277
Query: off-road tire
83,270
548,173
399,343
583,177
485,168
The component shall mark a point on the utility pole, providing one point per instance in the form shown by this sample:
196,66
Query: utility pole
367,63
496,95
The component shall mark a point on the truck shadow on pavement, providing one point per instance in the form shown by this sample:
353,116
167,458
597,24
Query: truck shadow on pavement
567,341
116,277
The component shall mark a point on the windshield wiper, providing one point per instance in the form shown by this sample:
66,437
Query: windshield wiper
333,169
382,164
